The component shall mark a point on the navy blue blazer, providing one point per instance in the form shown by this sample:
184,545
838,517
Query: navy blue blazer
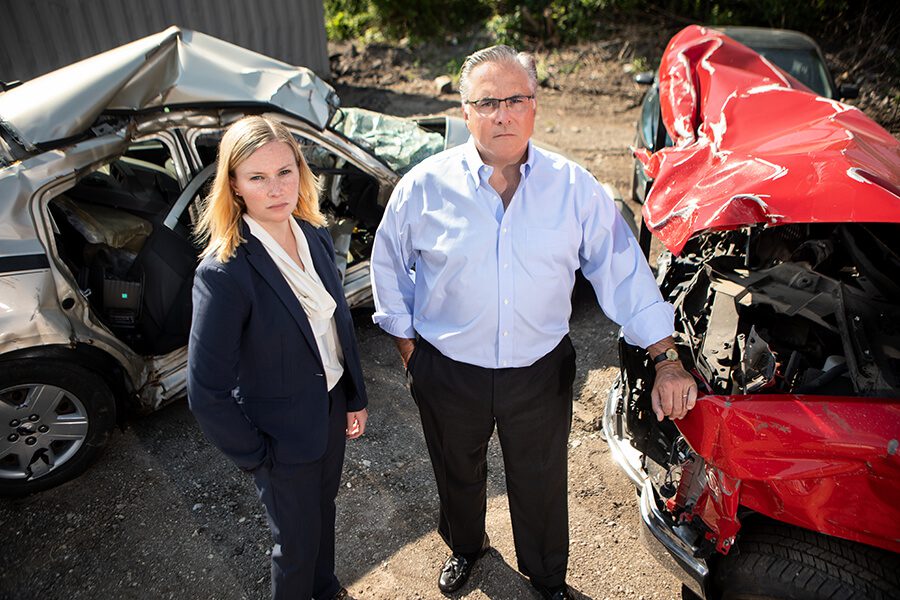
256,383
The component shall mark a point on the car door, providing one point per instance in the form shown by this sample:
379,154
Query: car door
355,188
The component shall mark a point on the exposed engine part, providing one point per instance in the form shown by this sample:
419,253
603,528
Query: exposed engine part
800,309
762,309
757,365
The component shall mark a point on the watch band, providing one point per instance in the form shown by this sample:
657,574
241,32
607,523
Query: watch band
669,354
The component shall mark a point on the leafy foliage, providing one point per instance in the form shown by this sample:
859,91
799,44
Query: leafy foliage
551,23
348,19
397,19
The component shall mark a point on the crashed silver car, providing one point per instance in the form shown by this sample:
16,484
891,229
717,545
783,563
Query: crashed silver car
102,166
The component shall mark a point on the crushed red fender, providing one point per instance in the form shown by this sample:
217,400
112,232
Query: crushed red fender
800,459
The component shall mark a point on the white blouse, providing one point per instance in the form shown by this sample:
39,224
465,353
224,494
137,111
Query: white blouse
317,303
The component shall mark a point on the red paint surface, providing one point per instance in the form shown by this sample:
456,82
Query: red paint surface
753,145
826,463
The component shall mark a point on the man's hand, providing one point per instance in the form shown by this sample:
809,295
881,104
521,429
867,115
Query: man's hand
405,347
356,423
674,392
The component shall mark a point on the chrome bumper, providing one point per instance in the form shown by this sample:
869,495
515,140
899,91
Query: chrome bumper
667,543
625,455
667,547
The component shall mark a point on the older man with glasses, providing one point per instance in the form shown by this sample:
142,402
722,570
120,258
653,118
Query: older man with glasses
473,268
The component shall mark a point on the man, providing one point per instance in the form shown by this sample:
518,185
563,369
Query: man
473,268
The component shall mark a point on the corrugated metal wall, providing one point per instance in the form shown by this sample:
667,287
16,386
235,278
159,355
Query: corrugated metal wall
38,36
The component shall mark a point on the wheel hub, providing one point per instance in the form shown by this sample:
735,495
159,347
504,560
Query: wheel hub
26,429
46,425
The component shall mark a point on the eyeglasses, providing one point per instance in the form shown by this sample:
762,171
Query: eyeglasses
487,107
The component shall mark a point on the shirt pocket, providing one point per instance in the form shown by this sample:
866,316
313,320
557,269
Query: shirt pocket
549,253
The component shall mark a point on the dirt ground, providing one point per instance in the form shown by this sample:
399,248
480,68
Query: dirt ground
163,515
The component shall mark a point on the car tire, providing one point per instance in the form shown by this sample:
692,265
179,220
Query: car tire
777,561
55,418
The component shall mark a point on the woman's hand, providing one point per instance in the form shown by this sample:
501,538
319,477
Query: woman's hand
356,423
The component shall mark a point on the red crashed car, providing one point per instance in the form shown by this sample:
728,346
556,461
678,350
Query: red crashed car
780,214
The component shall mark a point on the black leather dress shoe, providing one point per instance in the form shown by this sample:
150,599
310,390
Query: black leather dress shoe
458,567
343,594
559,592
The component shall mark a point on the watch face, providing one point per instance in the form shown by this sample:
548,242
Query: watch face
669,354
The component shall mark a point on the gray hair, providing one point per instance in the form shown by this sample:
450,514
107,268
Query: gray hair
496,54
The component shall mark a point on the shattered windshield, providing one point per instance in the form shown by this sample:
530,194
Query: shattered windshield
399,143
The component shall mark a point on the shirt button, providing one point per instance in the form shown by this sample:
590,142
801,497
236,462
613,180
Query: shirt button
506,301
505,363
505,265
505,333
504,230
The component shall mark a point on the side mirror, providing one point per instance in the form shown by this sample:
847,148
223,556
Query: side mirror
645,78
848,91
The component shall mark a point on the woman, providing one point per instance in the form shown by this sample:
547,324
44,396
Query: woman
274,377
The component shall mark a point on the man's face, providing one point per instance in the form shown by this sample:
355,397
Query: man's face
501,137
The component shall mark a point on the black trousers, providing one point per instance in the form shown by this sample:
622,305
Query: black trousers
299,501
531,406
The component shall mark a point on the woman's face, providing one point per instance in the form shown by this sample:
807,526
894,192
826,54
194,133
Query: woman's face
269,183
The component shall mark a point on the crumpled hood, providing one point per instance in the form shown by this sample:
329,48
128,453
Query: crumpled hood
173,68
753,145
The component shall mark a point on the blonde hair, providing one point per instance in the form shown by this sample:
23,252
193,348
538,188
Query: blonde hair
220,221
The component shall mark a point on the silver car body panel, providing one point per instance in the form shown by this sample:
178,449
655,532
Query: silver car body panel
31,312
176,67
164,379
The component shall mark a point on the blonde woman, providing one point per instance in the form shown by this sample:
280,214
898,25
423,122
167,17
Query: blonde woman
274,377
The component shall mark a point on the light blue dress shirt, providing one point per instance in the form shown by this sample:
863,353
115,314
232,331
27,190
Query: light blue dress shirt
492,287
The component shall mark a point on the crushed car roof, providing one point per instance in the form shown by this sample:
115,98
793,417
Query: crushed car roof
173,68
753,145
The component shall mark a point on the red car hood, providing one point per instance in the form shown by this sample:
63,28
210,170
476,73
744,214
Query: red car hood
753,145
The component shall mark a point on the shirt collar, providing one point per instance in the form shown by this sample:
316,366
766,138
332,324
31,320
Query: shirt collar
475,166
528,165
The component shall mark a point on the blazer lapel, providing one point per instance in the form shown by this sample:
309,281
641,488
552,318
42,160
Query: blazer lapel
322,262
261,261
